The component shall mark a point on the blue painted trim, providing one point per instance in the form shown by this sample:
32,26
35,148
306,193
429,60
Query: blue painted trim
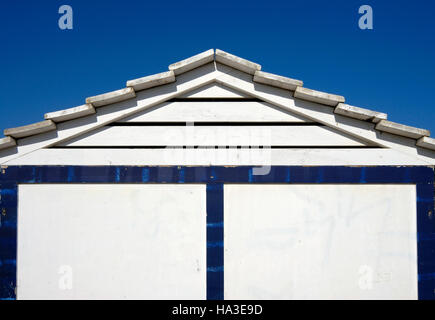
8,240
215,177
215,241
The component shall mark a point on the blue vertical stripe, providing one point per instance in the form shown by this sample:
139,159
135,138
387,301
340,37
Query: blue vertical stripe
8,241
215,242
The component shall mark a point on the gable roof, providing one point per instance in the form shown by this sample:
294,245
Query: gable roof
66,124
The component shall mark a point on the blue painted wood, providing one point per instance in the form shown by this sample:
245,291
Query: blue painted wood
8,240
215,177
215,241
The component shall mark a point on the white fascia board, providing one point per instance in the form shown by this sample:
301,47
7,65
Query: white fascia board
220,156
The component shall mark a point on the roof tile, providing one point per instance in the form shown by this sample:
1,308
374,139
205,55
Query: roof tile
426,142
71,113
31,129
192,62
277,81
152,81
401,130
359,113
318,96
237,62
111,97
7,143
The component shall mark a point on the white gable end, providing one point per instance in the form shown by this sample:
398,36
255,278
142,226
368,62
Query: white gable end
223,101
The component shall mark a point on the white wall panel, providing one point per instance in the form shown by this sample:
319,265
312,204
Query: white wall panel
119,241
320,242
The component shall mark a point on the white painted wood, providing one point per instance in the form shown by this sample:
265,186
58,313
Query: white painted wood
205,157
214,90
320,242
199,111
119,241
235,80
214,136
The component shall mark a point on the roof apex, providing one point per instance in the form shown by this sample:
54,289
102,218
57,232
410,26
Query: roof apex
237,62
192,62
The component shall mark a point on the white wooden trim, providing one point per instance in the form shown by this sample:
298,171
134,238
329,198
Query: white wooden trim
213,136
212,111
205,157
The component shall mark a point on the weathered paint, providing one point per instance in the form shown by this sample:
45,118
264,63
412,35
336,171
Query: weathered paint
111,241
320,241
422,177
215,242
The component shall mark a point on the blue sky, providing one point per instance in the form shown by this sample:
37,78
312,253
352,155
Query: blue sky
390,68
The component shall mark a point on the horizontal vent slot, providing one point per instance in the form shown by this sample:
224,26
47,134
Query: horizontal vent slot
218,147
213,124
214,100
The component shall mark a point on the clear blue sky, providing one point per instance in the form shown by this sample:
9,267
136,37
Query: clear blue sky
390,68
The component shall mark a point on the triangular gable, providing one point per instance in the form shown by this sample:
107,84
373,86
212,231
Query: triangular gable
212,116
230,72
